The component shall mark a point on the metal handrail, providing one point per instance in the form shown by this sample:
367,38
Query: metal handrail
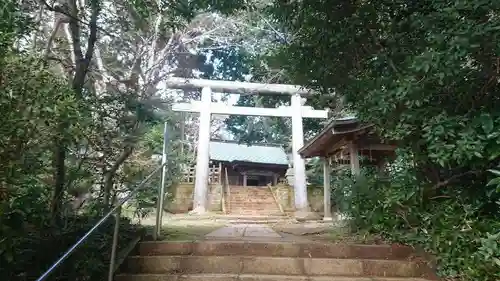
116,210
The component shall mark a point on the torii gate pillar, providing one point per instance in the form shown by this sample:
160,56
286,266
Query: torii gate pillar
299,167
200,196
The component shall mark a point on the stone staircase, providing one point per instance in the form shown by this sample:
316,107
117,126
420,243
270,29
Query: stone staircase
252,201
271,261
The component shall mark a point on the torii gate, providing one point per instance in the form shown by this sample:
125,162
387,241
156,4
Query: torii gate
206,108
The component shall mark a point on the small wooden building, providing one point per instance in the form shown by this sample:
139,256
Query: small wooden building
346,141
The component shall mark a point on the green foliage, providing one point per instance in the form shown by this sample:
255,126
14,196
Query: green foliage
397,63
314,172
100,142
238,64
12,24
32,102
453,228
185,9
152,142
426,74
177,13
31,248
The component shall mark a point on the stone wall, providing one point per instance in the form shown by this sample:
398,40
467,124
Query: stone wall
315,197
215,198
285,195
182,198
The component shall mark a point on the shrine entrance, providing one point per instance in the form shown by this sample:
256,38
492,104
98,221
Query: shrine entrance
206,108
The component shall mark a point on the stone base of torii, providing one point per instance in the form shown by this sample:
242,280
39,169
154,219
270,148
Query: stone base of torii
297,111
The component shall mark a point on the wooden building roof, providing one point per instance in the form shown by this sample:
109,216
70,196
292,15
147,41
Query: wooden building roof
227,151
333,140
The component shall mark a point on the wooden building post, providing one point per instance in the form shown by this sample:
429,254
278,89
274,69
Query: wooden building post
354,158
327,194
245,179
220,173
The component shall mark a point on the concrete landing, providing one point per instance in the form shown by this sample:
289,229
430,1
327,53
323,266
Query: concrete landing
243,231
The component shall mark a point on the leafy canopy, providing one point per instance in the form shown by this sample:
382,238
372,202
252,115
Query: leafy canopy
426,73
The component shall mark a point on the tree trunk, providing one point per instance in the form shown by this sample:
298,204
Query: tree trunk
59,176
82,64
110,174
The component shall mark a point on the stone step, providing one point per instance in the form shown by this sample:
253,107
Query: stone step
249,277
253,200
275,249
262,194
255,210
251,217
242,220
232,216
262,207
246,211
272,266
253,222
250,198
262,213
255,207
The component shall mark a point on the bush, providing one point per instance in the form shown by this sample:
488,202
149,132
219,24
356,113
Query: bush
454,227
31,249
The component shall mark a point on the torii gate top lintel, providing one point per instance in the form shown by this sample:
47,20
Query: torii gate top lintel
236,87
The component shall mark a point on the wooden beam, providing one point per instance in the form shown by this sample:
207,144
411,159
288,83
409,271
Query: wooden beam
236,87
336,147
383,147
219,108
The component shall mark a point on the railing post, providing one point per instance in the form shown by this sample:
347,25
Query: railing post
114,246
161,190
116,211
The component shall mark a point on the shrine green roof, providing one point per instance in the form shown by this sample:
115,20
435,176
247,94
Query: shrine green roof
262,154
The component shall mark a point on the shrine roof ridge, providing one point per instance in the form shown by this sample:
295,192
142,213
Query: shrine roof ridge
247,144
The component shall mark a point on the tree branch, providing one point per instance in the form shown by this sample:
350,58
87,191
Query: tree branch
83,63
452,178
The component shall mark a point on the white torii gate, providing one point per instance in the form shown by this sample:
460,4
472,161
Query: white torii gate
206,108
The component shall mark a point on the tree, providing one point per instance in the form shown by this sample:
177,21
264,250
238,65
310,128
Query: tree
116,66
255,61
80,84
426,74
